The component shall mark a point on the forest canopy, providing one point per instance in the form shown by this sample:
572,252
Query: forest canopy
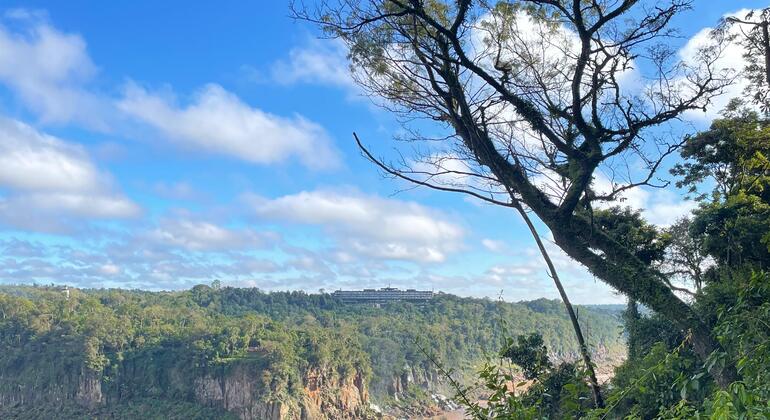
130,340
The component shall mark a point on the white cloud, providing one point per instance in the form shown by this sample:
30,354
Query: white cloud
496,246
318,62
21,248
369,225
193,235
48,69
526,277
189,252
500,271
218,121
661,207
449,169
310,263
102,206
109,269
558,50
48,176
731,60
30,160
664,207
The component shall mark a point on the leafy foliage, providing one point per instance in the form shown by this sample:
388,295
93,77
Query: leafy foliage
628,226
665,380
530,354
548,392
732,157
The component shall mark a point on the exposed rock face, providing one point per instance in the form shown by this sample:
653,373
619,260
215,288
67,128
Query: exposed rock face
89,392
428,379
236,393
239,390
327,396
322,394
84,387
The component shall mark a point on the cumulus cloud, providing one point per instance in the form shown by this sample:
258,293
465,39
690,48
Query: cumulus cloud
499,272
218,121
182,254
14,247
523,276
450,169
369,225
46,176
309,262
48,70
106,206
196,235
109,269
661,207
157,264
30,160
318,62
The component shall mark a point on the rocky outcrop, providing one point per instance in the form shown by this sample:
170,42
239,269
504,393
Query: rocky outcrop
325,395
238,389
329,396
428,379
83,387
237,393
418,391
89,391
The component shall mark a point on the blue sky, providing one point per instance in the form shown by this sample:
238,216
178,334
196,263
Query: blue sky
164,145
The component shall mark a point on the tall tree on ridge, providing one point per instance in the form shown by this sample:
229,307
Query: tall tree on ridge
535,104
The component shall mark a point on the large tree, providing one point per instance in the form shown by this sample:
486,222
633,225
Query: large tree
732,160
540,102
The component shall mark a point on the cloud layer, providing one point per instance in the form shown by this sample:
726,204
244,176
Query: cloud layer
369,225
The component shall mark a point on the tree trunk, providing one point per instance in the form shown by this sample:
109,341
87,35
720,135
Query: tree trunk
616,266
631,318
592,381
607,259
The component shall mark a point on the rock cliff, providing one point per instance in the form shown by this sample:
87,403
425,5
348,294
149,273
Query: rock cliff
240,390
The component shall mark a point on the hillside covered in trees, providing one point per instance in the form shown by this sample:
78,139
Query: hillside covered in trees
285,355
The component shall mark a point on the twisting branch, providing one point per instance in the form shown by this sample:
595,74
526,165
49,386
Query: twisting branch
399,174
